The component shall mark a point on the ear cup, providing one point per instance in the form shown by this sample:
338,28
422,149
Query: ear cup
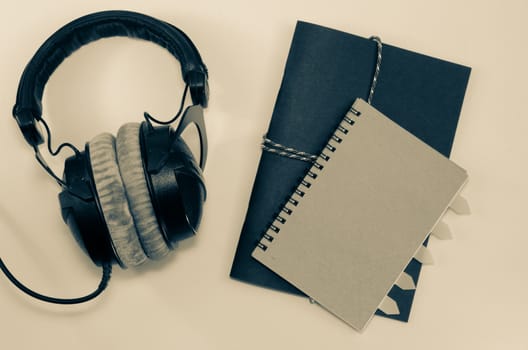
191,183
113,200
139,200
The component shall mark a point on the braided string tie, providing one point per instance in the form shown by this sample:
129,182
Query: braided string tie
285,151
292,153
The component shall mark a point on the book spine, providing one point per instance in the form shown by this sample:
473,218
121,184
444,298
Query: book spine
308,180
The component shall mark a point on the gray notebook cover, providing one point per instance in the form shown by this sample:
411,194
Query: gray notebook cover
360,221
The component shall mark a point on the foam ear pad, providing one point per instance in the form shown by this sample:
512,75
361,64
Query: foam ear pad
133,175
113,201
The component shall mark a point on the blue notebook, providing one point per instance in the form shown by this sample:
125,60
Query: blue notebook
325,72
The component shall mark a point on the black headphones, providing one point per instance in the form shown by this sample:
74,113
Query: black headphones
131,197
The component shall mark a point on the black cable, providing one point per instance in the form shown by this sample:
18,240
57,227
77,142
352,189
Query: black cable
61,146
107,273
53,153
148,117
46,167
106,269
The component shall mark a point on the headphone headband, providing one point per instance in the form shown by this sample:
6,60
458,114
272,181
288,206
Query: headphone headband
28,108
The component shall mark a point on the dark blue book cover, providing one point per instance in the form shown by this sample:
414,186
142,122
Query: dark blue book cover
325,71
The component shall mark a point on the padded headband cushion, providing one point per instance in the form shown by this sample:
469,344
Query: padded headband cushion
133,175
96,26
113,201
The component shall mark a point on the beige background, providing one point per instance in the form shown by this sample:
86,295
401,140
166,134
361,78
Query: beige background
475,296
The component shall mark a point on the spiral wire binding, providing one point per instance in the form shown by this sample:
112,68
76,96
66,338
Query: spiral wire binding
306,182
317,161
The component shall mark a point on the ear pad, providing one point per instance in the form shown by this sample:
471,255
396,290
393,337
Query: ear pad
139,200
113,200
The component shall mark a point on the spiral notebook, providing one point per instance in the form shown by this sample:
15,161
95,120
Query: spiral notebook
360,214
325,70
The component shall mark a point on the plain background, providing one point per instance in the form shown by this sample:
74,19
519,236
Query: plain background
475,296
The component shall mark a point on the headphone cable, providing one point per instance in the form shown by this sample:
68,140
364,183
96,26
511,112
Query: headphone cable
107,273
150,118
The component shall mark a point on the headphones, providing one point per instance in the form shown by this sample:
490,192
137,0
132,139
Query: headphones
132,197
